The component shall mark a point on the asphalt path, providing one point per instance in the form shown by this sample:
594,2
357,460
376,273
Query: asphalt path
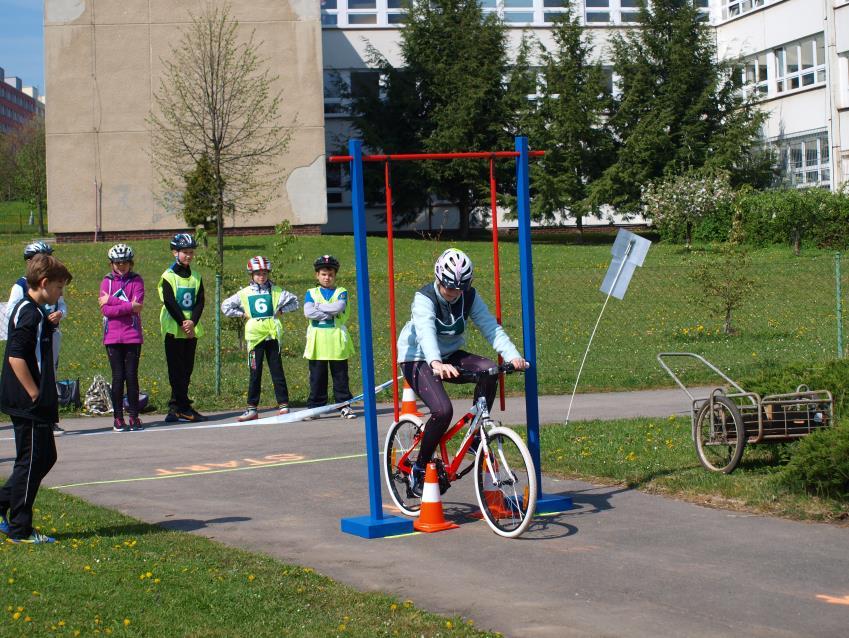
621,563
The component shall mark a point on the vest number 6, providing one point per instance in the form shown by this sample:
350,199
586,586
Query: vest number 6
261,306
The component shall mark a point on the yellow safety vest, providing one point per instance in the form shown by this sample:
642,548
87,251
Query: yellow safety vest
186,291
259,309
328,340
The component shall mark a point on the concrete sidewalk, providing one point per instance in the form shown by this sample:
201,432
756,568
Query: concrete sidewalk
622,563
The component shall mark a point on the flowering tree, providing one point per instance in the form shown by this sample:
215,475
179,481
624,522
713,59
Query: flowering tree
675,205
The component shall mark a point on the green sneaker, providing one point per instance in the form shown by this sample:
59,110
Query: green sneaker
36,538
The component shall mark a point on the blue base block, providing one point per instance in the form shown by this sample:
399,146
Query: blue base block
550,503
368,527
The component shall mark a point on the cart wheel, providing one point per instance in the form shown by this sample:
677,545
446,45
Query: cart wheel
720,436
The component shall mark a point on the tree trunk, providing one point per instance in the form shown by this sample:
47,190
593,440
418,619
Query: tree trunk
728,328
464,221
797,241
579,224
689,234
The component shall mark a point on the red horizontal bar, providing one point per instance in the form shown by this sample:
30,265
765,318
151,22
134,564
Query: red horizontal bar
400,157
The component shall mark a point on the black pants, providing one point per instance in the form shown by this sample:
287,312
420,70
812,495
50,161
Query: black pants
270,349
35,455
318,382
180,356
432,392
124,360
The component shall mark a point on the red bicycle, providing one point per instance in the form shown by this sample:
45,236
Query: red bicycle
505,477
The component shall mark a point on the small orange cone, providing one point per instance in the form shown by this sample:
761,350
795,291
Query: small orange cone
494,497
430,517
408,401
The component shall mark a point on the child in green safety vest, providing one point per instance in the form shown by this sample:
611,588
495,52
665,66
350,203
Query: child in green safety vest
261,303
328,341
181,293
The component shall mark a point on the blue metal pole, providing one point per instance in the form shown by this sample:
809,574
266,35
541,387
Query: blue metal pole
375,525
545,504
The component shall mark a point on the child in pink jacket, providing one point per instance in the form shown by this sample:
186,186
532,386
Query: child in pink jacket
121,300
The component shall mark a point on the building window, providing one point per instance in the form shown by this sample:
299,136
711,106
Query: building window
388,13
341,86
805,160
733,8
337,192
800,64
755,77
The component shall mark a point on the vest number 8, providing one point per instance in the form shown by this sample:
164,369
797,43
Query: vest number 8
186,300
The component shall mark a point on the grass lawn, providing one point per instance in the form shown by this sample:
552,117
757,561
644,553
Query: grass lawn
658,455
113,575
14,219
789,318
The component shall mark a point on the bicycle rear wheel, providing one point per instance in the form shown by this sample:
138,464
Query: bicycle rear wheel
402,437
505,483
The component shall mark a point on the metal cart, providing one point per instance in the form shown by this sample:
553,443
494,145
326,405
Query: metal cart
723,423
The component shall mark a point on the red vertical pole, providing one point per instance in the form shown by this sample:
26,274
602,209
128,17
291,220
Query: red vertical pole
496,263
393,346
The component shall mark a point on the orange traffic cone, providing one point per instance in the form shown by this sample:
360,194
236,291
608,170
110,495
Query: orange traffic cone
408,401
493,496
430,517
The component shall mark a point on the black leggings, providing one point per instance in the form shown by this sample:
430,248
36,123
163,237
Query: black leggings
124,359
432,391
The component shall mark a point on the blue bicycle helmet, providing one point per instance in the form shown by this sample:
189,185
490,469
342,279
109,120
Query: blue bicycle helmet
181,241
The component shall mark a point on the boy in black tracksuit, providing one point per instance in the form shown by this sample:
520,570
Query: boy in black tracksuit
28,396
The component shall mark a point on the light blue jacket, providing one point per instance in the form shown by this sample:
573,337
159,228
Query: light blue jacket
419,340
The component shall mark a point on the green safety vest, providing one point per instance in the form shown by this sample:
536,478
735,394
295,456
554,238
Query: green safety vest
186,291
329,340
259,309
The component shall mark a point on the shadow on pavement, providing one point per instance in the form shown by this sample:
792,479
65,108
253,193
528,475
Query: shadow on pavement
192,524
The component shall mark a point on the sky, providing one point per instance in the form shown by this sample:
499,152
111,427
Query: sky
22,41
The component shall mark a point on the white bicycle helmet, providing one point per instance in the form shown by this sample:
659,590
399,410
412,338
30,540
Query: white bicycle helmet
454,269
121,252
259,263
36,248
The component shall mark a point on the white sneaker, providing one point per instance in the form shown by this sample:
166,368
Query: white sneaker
347,413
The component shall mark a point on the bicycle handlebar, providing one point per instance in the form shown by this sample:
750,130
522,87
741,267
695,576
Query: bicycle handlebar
504,368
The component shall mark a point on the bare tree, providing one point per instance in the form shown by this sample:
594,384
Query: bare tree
215,101
30,164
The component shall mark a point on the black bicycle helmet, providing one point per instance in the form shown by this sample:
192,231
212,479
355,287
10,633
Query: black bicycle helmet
181,241
326,261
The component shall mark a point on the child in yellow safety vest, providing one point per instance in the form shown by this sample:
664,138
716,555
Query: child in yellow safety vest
181,293
328,341
261,303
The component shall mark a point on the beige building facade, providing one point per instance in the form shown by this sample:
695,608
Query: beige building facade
103,64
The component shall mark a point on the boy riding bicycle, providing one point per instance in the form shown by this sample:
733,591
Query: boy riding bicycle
429,348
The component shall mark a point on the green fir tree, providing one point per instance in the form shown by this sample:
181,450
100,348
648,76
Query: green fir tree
569,125
447,96
679,107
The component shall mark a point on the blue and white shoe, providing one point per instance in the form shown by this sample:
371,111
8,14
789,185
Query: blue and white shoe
4,526
36,538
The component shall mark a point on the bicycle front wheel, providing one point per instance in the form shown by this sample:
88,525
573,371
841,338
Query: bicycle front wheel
403,436
506,483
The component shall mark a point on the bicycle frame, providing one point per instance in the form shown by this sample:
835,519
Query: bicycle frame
473,418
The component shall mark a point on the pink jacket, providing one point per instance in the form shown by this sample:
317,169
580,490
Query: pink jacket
120,323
